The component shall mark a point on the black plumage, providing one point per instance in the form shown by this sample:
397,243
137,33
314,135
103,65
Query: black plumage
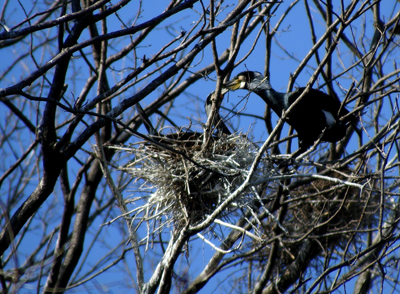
314,115
219,123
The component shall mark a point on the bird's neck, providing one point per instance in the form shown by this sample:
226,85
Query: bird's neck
275,100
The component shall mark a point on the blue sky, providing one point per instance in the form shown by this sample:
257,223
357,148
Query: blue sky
293,35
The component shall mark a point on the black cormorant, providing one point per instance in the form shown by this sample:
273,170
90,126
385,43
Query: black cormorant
316,112
219,123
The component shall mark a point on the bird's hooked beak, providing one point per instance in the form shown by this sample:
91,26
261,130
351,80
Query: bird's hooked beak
235,84
223,92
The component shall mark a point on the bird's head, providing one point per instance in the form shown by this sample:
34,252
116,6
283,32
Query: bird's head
248,80
209,98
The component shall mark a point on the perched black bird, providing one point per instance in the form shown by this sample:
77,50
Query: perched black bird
316,113
220,125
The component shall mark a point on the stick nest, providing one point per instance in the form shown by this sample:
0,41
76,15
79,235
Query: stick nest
183,191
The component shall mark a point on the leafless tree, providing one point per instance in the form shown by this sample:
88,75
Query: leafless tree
91,201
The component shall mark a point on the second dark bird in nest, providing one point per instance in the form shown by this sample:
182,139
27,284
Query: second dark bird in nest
314,115
222,129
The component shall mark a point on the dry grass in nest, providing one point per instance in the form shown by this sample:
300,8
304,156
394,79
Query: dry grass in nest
333,208
182,191
328,213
